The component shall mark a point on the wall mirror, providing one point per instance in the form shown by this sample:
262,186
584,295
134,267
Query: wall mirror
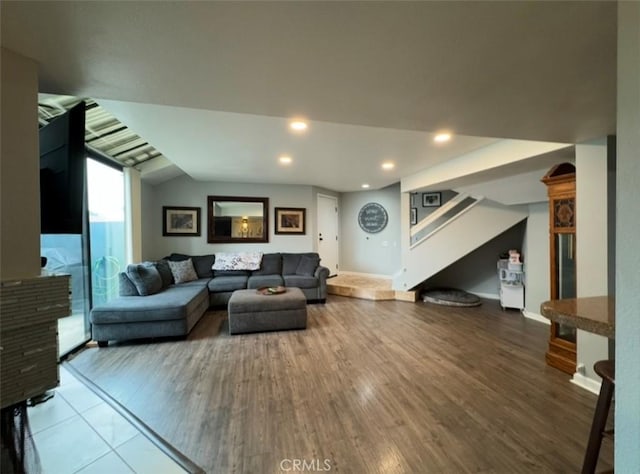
234,219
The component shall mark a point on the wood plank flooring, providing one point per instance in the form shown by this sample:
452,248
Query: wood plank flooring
370,386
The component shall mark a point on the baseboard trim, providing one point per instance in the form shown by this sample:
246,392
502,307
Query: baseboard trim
586,383
487,296
536,317
179,458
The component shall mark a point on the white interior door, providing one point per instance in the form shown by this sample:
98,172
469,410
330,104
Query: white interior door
328,232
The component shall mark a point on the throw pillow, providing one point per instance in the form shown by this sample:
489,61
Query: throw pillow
183,271
202,265
126,286
145,277
307,265
165,273
238,261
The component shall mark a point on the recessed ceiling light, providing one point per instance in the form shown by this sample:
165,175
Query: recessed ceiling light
365,186
285,160
442,137
298,125
388,165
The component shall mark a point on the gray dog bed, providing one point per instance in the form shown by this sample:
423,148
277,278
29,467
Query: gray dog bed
450,297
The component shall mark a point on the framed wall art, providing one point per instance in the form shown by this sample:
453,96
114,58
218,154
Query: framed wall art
290,220
431,199
180,221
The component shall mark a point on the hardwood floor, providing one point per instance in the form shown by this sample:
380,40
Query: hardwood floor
387,386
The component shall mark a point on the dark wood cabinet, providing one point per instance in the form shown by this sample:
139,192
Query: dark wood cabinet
561,189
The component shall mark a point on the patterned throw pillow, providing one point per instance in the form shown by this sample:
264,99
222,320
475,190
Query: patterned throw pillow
238,261
183,271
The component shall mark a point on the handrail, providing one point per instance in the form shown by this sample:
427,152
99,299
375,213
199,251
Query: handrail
471,201
437,213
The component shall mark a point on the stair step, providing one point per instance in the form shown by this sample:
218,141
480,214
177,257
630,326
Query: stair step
367,287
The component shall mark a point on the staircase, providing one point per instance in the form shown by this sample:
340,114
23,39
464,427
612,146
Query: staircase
457,228
367,287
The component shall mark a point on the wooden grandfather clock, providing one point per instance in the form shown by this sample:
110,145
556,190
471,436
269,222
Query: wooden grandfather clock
561,189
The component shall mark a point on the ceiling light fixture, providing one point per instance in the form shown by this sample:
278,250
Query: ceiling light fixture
388,165
442,137
285,160
298,125
365,186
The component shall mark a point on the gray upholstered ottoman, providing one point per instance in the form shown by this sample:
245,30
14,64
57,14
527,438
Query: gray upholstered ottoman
249,311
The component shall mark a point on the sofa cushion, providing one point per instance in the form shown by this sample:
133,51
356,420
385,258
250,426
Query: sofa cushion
203,264
307,265
230,273
183,271
176,257
300,281
145,277
126,286
271,265
228,283
259,281
290,261
165,272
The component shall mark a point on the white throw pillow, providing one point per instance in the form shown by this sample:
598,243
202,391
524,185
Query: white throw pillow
238,261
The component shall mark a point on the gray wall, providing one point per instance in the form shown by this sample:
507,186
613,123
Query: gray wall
184,191
370,253
536,253
627,414
477,272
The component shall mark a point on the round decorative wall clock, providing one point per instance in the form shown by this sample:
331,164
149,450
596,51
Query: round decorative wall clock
373,218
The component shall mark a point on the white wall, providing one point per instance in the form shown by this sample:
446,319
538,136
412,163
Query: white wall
370,253
19,168
591,247
627,414
184,191
536,254
477,272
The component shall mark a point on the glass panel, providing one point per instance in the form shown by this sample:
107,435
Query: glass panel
105,191
566,278
566,266
566,333
64,254
437,222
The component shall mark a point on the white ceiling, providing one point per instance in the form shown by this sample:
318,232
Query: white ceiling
210,84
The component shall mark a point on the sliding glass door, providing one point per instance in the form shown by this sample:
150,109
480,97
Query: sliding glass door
94,258
106,229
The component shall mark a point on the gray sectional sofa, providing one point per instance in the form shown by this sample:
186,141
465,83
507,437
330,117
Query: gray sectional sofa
145,309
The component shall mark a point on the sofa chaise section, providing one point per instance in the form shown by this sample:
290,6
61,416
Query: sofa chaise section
172,312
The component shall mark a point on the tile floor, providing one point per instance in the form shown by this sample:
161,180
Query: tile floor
77,432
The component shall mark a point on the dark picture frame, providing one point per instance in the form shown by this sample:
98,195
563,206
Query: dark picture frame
181,221
414,216
291,220
431,199
237,219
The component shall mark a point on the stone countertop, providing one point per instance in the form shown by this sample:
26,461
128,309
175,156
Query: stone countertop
594,314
